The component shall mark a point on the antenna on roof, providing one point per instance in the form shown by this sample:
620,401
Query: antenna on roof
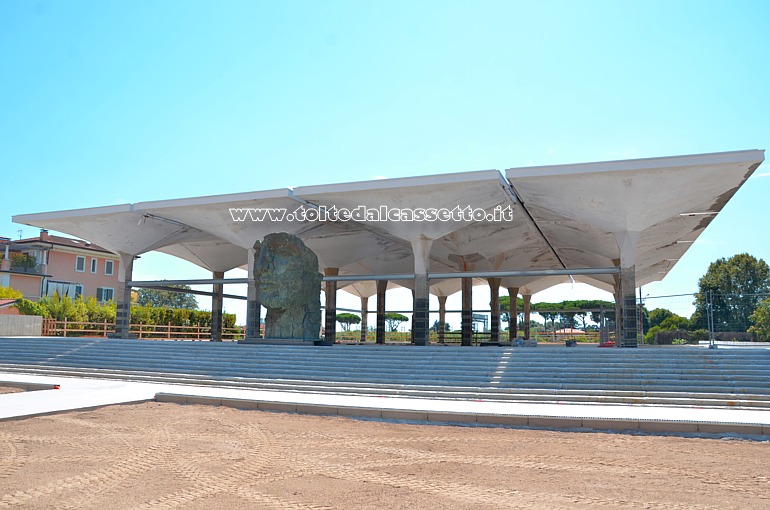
20,232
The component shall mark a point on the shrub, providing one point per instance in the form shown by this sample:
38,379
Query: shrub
27,307
649,337
733,336
61,308
761,321
23,261
669,337
700,334
10,293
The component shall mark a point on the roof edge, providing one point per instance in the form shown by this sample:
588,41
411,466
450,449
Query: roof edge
26,219
399,182
715,158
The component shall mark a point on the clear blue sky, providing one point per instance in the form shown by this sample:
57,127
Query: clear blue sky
105,102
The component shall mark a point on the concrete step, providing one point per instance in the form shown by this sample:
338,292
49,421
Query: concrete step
729,373
288,361
542,362
590,369
583,377
540,395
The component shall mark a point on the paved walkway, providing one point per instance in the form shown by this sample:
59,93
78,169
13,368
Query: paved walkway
79,394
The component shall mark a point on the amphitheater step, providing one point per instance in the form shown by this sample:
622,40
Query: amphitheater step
650,376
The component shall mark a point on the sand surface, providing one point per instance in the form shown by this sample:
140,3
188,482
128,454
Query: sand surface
200,457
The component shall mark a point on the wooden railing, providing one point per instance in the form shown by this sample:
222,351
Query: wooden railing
454,337
66,328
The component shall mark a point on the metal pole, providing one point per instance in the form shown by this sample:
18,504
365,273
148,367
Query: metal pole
604,332
353,278
641,315
710,320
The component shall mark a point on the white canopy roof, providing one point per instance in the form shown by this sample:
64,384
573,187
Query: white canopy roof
562,217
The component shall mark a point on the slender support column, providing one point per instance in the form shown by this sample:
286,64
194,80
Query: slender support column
442,319
604,334
5,265
330,323
216,307
628,317
123,297
43,266
382,286
253,306
364,317
494,291
466,325
411,330
421,308
513,316
527,299
618,313
421,315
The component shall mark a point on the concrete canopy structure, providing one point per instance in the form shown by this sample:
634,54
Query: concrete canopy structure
614,225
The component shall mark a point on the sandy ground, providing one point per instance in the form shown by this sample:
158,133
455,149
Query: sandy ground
199,457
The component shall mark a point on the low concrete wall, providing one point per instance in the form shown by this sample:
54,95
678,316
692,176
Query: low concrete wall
21,325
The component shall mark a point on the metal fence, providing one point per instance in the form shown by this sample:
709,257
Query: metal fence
702,318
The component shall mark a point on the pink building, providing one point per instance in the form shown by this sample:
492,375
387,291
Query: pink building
48,264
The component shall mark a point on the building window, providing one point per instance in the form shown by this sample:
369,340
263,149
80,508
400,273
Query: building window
78,290
109,267
93,265
104,294
80,264
63,289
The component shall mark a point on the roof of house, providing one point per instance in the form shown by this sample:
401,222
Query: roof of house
6,302
62,241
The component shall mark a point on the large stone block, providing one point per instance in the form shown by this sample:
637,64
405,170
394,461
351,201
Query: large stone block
289,286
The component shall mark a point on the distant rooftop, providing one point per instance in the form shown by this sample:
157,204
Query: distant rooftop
47,238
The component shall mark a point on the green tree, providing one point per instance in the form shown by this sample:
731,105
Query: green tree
665,320
572,313
608,306
761,320
505,308
167,298
576,319
346,319
658,315
394,319
551,316
736,286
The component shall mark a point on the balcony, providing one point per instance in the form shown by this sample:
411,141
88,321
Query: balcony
28,269
22,263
